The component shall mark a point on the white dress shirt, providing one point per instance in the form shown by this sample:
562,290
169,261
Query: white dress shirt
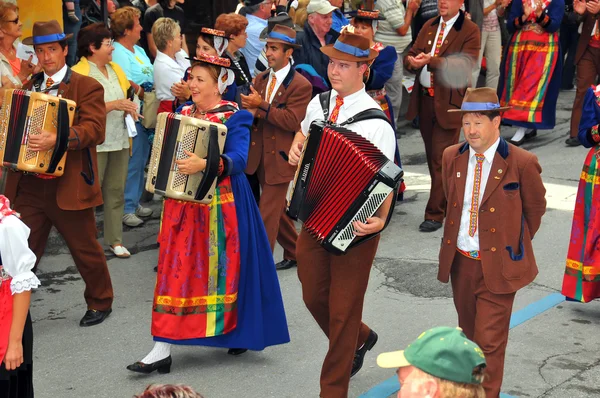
168,71
17,259
379,132
56,78
425,77
279,76
464,241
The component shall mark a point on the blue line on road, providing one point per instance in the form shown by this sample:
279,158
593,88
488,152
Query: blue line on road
391,385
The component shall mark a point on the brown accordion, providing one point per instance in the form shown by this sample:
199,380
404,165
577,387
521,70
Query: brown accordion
23,114
174,135
341,178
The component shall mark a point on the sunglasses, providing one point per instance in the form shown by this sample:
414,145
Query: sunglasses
15,21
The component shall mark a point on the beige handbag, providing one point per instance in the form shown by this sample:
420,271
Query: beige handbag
150,109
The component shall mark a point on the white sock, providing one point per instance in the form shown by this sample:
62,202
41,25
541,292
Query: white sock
160,351
519,134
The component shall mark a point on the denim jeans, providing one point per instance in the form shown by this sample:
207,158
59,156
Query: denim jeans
134,187
71,27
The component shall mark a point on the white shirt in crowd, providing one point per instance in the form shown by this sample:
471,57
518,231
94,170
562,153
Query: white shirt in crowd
464,241
379,132
279,77
168,71
56,78
425,77
17,259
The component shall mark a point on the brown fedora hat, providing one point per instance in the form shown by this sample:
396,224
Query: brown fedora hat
46,32
282,34
350,47
480,100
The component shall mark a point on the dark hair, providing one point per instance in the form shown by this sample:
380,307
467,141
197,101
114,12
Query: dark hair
91,35
490,115
209,39
63,44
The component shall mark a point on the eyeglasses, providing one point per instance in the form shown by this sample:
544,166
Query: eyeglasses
15,21
108,43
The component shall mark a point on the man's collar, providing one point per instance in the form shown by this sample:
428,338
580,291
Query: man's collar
502,148
58,76
349,99
489,153
457,20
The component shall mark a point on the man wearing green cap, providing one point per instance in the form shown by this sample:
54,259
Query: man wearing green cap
440,363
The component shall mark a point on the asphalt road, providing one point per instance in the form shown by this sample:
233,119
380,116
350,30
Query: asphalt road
551,355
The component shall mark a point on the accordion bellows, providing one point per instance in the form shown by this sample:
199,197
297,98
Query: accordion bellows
23,114
342,177
174,135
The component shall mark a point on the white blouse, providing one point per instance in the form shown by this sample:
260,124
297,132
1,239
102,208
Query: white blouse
17,258
168,71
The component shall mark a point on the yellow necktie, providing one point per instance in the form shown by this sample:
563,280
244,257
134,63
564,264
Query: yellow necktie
271,87
49,83
475,197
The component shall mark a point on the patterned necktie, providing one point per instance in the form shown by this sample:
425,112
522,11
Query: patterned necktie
339,101
438,46
49,83
475,197
271,87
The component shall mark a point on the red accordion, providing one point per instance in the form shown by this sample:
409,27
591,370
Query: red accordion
341,178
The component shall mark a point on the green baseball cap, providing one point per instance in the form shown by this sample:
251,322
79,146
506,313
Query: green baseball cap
442,352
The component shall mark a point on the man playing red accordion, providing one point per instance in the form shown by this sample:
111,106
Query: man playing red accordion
67,202
333,287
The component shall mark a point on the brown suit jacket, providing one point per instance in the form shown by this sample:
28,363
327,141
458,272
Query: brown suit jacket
510,214
586,34
275,125
88,130
452,68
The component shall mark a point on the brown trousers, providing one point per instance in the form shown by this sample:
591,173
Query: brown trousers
436,139
272,210
36,201
483,316
333,289
588,69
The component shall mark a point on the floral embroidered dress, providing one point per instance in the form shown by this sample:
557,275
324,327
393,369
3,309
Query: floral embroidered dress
532,66
216,282
581,281
16,263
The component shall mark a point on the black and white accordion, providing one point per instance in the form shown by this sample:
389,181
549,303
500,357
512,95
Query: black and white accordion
341,178
174,135
23,114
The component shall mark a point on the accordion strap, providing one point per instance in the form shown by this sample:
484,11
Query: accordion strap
213,157
62,136
368,114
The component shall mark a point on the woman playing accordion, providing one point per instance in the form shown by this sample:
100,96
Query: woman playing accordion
216,283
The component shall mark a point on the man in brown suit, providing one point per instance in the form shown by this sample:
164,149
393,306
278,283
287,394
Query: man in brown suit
496,201
279,99
587,59
67,202
443,58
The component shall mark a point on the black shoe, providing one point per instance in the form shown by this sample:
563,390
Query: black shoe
430,226
572,141
163,366
156,269
415,123
359,356
94,317
531,135
285,264
236,351
517,143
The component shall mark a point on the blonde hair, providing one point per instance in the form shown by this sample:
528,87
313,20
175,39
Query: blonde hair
300,15
163,31
123,19
452,389
168,391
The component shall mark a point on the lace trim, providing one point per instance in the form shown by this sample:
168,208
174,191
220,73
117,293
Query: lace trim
25,282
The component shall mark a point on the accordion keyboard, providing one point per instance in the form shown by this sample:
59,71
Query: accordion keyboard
36,122
187,143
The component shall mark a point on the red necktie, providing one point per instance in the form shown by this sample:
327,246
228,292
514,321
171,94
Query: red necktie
339,101
49,83
475,197
438,46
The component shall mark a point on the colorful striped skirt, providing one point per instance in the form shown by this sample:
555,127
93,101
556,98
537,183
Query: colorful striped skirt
581,281
198,268
530,62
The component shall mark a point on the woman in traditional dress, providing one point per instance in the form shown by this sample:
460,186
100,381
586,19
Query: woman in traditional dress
581,281
532,67
216,284
16,282
234,26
